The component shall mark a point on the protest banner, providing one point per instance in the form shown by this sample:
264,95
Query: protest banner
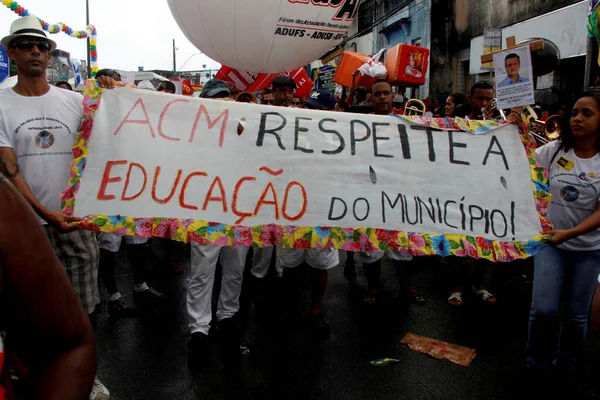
150,164
514,78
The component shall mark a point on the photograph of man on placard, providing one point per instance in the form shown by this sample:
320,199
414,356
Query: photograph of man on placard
512,66
514,78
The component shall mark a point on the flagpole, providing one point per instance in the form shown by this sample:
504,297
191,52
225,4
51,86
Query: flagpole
87,23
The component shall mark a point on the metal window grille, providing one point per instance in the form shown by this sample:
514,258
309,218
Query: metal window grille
366,14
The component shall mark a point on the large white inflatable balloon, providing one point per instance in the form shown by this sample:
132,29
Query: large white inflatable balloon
264,35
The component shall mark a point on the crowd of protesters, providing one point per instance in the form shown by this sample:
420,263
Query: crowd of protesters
49,328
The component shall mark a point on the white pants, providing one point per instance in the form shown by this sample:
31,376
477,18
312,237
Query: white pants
202,277
322,259
112,242
262,260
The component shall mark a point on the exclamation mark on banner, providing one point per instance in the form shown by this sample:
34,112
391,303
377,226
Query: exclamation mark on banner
512,219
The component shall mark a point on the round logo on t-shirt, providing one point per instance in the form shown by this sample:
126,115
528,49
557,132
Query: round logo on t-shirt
44,140
569,193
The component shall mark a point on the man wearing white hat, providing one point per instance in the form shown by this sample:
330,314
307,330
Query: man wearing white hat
38,125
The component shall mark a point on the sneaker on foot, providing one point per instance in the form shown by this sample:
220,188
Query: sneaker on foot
99,391
149,296
319,326
122,308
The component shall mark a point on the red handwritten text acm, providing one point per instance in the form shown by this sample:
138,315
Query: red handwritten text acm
201,114
116,187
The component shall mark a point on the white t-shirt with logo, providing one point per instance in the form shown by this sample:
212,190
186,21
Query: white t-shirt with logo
42,131
575,189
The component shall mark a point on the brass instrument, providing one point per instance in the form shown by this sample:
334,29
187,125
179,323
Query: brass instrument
246,97
495,111
529,115
546,132
414,107
553,129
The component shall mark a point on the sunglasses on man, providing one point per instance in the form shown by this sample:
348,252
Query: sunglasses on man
27,44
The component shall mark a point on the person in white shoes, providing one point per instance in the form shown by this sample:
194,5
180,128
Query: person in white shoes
109,244
118,305
38,126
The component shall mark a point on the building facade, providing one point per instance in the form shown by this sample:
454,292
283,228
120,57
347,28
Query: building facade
456,66
385,23
453,31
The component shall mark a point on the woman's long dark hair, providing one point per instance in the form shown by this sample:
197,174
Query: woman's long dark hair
567,140
462,108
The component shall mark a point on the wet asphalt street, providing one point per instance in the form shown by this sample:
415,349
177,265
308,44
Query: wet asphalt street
146,357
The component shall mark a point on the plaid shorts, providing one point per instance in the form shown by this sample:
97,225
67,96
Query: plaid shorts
78,251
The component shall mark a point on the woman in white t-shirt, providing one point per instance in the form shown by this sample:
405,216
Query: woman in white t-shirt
567,268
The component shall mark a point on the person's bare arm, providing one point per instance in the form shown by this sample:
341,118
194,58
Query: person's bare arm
588,225
57,220
46,325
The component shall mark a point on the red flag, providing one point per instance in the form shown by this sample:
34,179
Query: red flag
262,82
303,83
237,80
186,88
246,82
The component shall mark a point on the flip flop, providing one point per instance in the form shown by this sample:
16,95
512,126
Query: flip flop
485,296
455,299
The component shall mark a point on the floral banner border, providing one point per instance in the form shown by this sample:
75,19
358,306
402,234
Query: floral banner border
289,236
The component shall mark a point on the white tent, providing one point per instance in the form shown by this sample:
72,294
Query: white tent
12,81
136,76
127,76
